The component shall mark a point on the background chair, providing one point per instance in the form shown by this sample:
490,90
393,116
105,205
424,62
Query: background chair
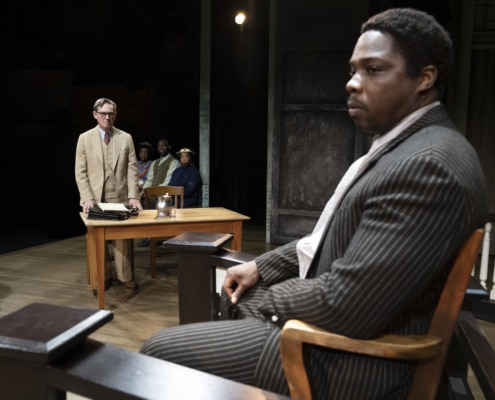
177,195
176,192
430,350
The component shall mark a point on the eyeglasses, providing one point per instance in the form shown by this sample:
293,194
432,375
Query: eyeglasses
106,114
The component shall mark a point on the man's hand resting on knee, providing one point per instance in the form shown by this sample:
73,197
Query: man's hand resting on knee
239,279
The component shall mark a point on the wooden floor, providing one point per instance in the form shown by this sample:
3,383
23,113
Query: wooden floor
55,273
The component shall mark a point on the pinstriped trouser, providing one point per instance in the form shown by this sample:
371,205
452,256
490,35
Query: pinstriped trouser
245,350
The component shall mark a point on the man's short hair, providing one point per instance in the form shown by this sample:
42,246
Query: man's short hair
418,37
101,102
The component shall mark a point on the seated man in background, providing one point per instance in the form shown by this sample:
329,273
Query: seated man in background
378,257
159,174
187,175
161,169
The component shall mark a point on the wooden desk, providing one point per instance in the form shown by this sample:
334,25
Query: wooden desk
213,219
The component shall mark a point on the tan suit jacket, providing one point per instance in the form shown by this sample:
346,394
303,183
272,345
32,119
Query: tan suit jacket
90,171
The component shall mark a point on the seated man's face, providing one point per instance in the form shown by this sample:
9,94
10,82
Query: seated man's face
163,148
381,93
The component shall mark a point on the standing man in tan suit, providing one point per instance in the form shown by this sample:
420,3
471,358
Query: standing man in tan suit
106,171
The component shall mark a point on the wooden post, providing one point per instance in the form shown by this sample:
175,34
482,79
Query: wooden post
34,336
197,295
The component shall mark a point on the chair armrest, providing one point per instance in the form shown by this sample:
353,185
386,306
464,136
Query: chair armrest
295,333
404,347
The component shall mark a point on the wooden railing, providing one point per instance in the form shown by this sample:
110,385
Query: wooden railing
483,278
470,347
484,271
45,353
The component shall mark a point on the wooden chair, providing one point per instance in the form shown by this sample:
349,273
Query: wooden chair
430,350
177,194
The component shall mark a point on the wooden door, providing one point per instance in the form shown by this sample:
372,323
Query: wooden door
313,139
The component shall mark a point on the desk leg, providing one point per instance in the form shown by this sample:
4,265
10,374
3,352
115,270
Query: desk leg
237,240
89,252
95,254
100,247
91,260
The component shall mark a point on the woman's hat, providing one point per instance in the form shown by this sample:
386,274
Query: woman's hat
186,150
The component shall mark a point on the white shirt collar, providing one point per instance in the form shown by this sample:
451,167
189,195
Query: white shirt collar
382,140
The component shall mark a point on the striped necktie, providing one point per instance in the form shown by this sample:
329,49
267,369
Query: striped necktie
107,138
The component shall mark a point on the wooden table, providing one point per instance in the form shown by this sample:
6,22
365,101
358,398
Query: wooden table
213,219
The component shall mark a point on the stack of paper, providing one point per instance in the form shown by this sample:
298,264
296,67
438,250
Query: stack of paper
112,207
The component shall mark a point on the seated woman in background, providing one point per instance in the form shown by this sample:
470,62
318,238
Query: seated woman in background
144,162
187,175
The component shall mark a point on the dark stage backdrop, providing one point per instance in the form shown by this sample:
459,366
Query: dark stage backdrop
58,57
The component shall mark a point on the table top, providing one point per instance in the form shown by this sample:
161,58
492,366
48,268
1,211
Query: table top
184,215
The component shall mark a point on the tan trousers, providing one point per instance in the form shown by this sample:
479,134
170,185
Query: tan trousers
122,248
122,253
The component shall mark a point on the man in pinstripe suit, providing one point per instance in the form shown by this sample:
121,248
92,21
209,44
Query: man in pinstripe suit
379,255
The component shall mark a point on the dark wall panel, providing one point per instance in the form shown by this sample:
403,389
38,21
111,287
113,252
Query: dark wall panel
314,140
314,154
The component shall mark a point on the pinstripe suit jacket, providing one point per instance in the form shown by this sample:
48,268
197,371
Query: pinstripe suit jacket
384,258
89,168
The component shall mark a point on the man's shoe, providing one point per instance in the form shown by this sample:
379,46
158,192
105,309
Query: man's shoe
145,242
130,285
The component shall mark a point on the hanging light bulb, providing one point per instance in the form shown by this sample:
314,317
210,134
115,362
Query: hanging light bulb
240,18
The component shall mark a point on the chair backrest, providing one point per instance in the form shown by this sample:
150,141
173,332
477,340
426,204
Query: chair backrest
429,371
176,192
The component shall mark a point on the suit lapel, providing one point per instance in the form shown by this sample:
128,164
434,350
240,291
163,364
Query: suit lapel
435,115
96,144
117,144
